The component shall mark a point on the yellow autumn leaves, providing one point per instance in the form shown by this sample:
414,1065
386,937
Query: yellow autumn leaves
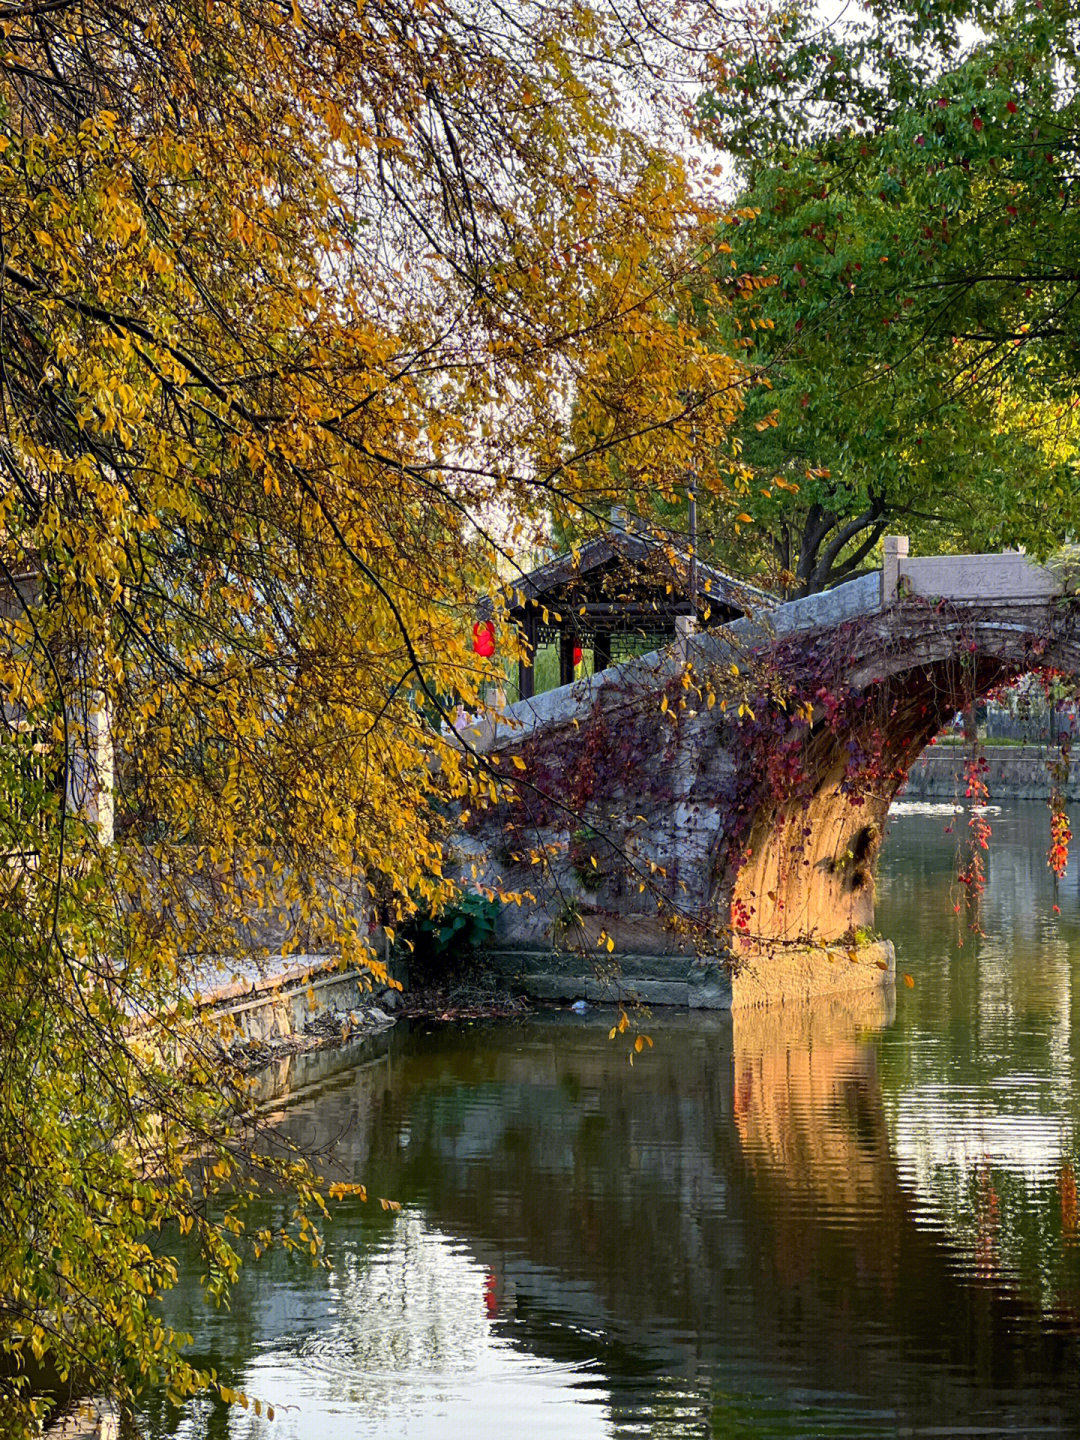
302,308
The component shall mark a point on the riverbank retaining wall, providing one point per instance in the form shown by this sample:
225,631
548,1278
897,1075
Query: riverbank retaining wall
290,1021
806,973
1015,772
283,1001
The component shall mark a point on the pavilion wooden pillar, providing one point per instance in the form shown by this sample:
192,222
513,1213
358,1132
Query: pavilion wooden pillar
601,650
566,656
527,666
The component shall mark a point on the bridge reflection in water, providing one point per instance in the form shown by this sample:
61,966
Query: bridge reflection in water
718,1240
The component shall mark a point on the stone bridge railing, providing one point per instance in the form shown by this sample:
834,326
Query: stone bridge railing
723,645
1009,579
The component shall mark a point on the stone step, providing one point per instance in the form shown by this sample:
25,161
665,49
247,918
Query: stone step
601,992
627,967
656,980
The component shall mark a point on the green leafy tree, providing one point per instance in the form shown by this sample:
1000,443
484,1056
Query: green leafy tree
915,190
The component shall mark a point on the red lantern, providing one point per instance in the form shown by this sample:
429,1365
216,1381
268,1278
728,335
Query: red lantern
483,639
577,655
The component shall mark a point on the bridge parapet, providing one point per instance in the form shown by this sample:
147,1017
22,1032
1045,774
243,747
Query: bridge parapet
1008,579
728,644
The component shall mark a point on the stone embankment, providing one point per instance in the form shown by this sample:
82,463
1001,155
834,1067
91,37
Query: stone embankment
292,1001
1016,772
95,1419
278,1019
798,976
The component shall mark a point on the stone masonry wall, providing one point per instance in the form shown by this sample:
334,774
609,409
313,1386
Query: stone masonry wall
1016,772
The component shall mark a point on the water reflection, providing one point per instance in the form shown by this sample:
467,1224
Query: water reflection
852,1222
980,1075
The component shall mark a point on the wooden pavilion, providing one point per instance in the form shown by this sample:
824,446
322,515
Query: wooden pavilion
618,594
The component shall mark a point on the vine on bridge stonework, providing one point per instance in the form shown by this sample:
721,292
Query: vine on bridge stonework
759,739
971,869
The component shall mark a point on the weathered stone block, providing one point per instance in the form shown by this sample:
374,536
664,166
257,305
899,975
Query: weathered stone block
802,975
713,996
657,992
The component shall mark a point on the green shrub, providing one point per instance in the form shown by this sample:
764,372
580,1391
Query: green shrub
445,946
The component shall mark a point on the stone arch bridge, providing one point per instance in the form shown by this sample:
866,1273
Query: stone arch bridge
716,809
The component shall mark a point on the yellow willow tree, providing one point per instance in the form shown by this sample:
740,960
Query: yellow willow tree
298,301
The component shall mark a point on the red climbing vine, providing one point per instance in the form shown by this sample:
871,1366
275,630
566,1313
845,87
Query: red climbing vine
1060,835
1060,829
971,873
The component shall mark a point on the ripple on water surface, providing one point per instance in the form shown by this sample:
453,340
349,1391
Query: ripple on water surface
860,1222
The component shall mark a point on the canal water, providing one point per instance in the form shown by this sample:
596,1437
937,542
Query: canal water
860,1222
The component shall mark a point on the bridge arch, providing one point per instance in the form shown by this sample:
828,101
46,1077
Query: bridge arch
805,869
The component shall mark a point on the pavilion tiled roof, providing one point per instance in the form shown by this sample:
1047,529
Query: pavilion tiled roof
643,551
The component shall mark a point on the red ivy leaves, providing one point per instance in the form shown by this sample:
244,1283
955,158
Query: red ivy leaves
1060,835
1060,831
972,873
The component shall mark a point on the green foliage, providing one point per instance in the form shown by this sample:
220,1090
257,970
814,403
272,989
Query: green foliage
447,942
585,846
569,918
917,205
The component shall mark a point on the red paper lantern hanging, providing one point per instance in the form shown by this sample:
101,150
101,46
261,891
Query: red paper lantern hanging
577,654
483,639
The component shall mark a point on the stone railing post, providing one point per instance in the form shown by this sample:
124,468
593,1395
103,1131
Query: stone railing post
685,626
895,549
